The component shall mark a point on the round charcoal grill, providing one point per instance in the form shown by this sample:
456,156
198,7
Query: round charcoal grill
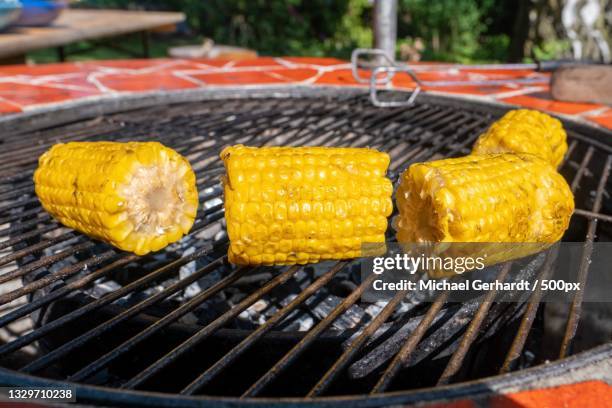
182,326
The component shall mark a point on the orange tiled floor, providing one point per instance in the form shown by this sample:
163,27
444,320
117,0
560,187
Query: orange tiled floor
30,87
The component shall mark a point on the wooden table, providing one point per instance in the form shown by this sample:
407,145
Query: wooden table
75,25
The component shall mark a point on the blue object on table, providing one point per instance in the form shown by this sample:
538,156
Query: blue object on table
9,12
40,12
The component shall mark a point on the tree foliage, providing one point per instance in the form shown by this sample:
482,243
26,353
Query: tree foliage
450,30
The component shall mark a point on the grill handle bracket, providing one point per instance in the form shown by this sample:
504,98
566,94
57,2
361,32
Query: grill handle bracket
382,64
390,71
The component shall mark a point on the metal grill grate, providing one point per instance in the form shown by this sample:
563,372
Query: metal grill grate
118,337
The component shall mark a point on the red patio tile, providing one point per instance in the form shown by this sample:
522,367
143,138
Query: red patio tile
257,62
503,73
74,80
238,78
25,95
8,108
475,75
296,75
403,80
39,70
155,81
314,61
340,77
213,62
128,64
471,89
584,394
604,119
445,75
543,101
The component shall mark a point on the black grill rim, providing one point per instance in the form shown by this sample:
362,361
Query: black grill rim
541,376
55,115
523,379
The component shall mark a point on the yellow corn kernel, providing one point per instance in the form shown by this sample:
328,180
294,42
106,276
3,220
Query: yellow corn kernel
137,196
288,205
525,131
502,198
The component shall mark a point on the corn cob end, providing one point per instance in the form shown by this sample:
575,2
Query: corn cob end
525,131
493,198
140,197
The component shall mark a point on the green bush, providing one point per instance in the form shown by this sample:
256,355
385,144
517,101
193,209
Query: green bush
296,27
273,27
452,30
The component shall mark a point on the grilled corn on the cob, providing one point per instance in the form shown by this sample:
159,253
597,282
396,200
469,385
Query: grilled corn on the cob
503,198
138,196
288,205
525,131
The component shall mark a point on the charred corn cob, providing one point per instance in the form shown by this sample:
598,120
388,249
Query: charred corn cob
136,196
503,198
525,131
288,205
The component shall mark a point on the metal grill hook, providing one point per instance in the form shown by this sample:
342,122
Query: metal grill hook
388,67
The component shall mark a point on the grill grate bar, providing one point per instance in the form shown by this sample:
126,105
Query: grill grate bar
429,137
210,328
516,348
589,141
42,262
527,320
98,134
570,150
583,271
307,340
61,292
473,329
173,316
27,235
69,346
49,279
29,157
23,214
199,131
68,235
65,272
593,215
16,192
582,169
419,115
402,357
441,144
424,117
244,345
111,297
23,225
210,215
427,119
33,222
356,345
24,142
